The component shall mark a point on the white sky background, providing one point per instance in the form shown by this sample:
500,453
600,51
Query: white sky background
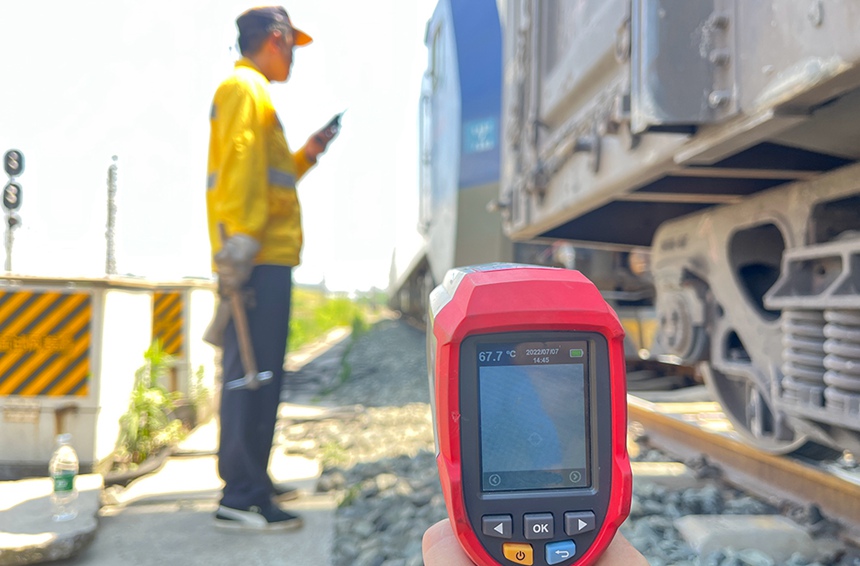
81,81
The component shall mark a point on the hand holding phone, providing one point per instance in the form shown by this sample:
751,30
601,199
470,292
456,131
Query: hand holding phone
318,142
329,131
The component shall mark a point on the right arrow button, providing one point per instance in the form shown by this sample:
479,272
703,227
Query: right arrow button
578,522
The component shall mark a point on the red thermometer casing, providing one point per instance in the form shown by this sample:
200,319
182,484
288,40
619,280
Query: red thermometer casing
527,378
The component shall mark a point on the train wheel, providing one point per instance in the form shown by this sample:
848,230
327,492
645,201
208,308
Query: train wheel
749,411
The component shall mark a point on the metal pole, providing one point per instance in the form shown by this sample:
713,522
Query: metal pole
110,260
9,239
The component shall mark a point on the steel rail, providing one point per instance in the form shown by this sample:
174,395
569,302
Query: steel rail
771,476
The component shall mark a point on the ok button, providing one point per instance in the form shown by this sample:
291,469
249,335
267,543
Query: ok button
539,526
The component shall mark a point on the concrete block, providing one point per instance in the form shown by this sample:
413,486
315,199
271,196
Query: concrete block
773,535
180,478
28,535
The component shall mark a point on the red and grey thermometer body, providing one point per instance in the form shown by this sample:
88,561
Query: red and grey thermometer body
527,377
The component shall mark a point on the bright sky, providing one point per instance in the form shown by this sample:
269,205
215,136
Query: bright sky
85,80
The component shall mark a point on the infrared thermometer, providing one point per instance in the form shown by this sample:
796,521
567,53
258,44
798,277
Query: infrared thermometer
527,379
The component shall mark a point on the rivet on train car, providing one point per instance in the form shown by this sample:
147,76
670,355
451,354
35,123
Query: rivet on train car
816,13
720,57
719,99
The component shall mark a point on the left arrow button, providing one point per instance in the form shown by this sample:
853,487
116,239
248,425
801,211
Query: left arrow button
497,526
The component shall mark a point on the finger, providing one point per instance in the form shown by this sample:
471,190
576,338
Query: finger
441,548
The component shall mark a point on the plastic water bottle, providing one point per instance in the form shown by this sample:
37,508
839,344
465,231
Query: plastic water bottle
64,468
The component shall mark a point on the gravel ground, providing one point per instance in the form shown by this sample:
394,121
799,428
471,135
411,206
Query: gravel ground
378,455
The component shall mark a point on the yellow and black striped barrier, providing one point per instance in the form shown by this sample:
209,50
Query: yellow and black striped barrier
70,355
168,321
45,343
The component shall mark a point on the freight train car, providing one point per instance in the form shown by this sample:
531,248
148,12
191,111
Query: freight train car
723,136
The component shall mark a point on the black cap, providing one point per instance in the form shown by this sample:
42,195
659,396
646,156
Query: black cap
264,19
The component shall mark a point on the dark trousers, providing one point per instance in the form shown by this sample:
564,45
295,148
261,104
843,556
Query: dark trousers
248,417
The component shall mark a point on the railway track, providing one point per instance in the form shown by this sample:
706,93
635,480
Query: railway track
696,430
692,431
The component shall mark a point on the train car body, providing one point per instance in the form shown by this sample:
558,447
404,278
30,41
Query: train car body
722,135
459,117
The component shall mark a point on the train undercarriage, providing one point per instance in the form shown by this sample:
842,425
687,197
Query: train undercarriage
763,297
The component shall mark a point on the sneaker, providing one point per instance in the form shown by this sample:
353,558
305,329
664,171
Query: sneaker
283,493
256,519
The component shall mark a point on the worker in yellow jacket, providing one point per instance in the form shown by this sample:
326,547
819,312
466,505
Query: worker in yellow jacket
251,198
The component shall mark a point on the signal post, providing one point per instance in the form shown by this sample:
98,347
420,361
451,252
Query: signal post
13,164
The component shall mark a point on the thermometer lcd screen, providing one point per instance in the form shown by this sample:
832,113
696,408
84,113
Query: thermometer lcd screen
533,403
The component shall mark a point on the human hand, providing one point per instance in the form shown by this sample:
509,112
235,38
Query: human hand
318,142
441,548
234,262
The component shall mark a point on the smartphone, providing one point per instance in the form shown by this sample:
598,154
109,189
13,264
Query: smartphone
332,128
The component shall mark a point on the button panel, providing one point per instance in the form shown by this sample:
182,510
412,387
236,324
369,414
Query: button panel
539,526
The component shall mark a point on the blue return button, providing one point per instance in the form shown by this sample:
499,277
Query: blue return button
557,552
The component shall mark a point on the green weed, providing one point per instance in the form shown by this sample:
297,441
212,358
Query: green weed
145,427
315,313
332,454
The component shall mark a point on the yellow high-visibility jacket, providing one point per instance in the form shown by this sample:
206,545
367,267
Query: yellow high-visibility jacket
252,174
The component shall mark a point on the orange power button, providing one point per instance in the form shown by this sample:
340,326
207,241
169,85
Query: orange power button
519,553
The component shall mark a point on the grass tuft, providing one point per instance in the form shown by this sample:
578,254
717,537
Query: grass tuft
314,313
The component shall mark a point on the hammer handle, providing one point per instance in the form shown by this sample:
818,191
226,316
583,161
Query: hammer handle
240,319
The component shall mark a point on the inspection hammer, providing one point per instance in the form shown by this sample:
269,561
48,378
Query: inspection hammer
253,378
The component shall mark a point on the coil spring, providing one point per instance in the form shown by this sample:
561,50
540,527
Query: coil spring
803,341
843,350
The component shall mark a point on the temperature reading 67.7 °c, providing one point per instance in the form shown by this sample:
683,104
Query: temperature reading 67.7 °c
497,355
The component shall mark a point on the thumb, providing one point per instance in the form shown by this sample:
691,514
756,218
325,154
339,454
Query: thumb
441,548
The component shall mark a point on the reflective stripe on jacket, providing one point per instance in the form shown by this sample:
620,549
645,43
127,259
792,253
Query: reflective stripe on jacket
252,174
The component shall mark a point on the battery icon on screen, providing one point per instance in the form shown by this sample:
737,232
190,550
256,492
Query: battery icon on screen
576,353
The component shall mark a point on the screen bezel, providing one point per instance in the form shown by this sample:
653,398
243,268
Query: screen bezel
556,500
